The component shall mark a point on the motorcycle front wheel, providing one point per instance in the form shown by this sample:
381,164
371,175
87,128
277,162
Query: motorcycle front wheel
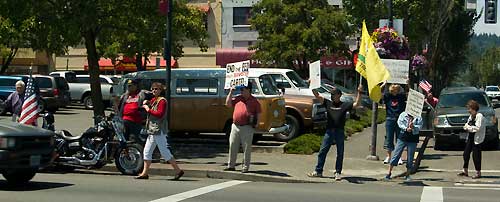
129,160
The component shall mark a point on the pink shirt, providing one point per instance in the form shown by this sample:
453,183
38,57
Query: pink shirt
244,108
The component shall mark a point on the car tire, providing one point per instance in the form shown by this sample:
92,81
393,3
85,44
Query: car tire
87,102
493,144
20,176
292,131
438,144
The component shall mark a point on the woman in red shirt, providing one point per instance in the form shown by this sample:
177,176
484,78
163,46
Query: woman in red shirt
157,127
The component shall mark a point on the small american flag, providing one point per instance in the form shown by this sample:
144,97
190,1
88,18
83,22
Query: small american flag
425,85
29,110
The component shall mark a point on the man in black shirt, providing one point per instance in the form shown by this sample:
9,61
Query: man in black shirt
336,111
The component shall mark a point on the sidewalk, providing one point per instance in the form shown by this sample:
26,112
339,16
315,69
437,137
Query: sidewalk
279,167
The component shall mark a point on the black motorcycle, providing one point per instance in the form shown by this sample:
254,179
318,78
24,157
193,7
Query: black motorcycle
98,146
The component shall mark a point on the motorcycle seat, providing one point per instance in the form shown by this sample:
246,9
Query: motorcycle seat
67,136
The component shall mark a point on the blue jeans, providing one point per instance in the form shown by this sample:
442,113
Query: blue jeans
400,145
330,135
391,127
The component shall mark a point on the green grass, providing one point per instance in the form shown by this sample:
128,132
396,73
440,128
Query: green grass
311,142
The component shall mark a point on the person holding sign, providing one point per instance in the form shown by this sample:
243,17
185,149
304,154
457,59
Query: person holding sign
395,103
476,130
336,113
245,120
409,129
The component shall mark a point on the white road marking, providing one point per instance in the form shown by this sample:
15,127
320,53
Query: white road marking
475,188
477,185
444,170
198,192
432,194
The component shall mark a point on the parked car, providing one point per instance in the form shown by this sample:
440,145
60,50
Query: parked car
493,93
451,115
54,91
198,100
7,86
23,150
79,86
303,110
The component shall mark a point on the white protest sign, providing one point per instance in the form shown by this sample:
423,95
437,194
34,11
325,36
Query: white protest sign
237,74
315,75
415,103
398,70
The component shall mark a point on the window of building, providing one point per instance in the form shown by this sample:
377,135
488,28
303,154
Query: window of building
197,86
241,15
242,44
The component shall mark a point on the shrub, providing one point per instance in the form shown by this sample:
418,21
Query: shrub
304,144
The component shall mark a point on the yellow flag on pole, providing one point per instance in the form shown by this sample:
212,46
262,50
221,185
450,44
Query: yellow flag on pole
370,66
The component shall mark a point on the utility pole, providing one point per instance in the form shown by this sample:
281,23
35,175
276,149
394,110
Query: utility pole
167,51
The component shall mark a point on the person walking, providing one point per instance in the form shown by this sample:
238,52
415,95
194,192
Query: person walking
409,129
395,103
129,109
336,113
245,119
15,100
476,130
157,127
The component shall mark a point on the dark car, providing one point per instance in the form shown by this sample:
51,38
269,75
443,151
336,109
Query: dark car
8,86
23,150
54,91
451,115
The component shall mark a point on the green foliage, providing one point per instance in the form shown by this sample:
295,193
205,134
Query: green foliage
481,56
305,144
300,31
488,66
311,142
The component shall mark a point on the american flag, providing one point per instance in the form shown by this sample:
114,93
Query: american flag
425,85
29,110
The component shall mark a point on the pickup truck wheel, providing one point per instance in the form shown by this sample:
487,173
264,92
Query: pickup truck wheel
438,145
292,131
87,102
19,176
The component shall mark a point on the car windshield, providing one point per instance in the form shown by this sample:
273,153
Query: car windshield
296,80
268,85
492,88
461,99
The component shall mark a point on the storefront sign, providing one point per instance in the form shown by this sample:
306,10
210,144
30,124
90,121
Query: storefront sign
237,74
415,103
336,62
315,75
398,70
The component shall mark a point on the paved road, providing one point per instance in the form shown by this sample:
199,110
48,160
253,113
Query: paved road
96,187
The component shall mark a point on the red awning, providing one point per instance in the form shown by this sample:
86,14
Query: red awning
229,55
128,64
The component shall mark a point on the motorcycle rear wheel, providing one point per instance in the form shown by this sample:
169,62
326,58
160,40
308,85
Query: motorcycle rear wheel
131,163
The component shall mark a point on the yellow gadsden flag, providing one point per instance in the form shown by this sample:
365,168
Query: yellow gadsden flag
370,66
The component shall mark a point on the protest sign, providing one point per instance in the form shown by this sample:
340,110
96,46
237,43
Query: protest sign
237,74
398,70
314,75
415,103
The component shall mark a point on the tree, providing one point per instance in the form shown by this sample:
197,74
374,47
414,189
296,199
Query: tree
299,32
443,27
488,67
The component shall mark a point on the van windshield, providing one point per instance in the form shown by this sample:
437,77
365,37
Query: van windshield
268,85
296,79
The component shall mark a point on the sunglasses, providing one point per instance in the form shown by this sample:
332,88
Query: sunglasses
155,88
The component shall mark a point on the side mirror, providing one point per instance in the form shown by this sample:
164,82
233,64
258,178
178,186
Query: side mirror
282,88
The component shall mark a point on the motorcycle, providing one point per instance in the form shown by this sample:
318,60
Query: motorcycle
98,146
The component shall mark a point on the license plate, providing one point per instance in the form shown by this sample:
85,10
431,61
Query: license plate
463,136
35,160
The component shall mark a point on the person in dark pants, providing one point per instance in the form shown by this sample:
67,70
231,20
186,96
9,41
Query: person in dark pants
336,112
130,110
476,130
408,129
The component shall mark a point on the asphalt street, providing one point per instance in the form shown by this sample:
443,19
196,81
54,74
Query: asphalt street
103,188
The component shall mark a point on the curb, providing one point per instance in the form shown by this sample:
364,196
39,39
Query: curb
225,148
215,175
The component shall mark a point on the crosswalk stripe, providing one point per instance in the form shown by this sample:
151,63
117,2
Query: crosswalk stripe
198,192
477,185
432,194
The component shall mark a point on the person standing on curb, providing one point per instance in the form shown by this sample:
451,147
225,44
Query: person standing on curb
395,103
15,100
245,120
129,109
409,129
157,129
336,113
476,130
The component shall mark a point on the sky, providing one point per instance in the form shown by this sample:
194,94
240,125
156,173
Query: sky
481,27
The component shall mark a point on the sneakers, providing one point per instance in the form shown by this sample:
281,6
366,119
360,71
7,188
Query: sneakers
408,178
338,177
387,177
386,160
314,174
244,170
400,162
